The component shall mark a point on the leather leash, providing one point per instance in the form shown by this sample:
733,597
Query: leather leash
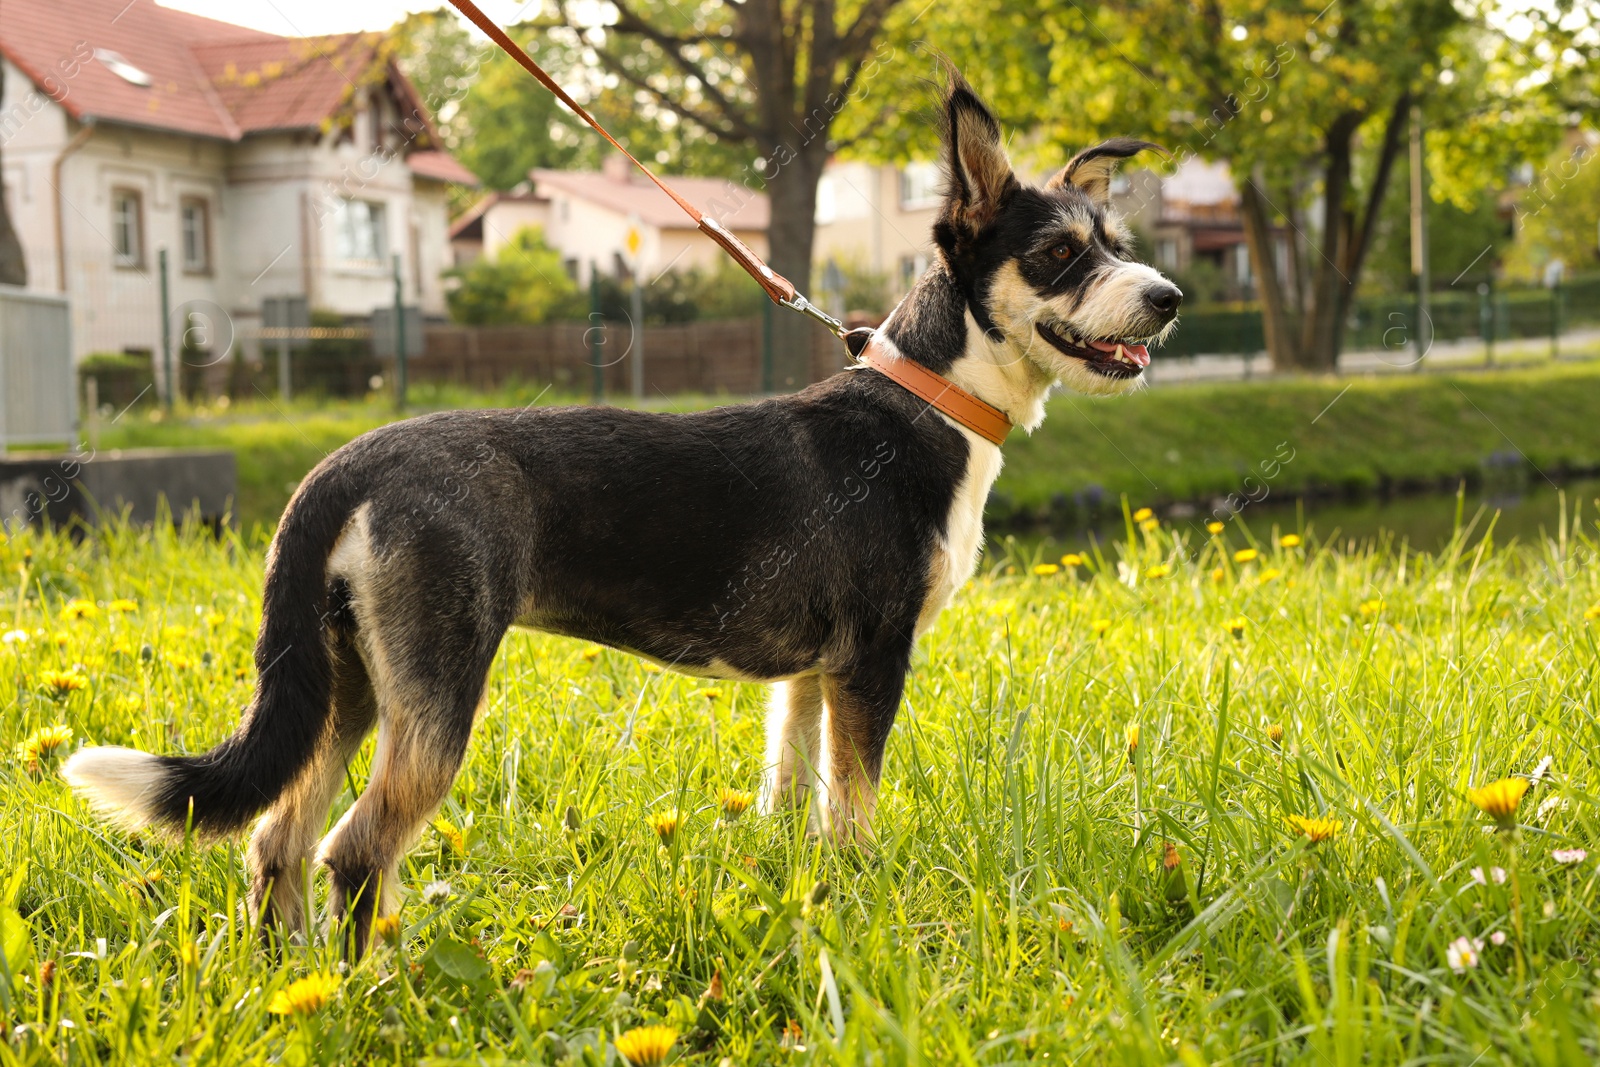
982,419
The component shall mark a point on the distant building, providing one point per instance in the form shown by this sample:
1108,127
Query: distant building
878,218
588,216
265,166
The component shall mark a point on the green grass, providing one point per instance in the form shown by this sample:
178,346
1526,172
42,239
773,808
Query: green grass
1014,908
1174,443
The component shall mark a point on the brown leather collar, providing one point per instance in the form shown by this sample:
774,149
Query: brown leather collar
985,420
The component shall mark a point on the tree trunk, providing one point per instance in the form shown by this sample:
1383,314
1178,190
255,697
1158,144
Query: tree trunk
792,198
1320,326
1282,345
1361,239
13,267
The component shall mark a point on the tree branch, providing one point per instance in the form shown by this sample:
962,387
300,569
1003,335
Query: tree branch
673,45
705,122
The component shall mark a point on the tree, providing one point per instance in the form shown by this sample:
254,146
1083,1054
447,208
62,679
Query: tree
524,284
13,266
1309,104
1558,215
766,76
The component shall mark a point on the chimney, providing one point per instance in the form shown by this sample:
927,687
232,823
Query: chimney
616,167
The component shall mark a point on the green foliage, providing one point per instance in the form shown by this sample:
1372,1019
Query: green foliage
1558,215
1014,905
525,283
678,296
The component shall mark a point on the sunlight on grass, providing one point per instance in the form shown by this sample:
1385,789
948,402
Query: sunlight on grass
1241,798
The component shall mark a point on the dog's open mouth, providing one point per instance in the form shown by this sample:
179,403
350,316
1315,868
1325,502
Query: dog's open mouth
1112,358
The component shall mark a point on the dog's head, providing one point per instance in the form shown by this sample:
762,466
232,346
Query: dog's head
1049,271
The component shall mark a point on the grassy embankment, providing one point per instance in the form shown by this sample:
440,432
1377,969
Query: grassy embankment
1175,443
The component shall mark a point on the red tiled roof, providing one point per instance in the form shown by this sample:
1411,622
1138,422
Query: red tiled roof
207,78
730,203
441,167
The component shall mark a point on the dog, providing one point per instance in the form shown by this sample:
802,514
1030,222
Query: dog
802,540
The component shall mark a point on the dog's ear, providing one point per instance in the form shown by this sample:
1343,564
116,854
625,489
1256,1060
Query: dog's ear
975,158
1091,169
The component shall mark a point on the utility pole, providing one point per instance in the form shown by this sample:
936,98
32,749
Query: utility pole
1419,230
166,331
596,335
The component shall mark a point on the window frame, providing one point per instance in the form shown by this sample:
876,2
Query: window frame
185,202
377,218
134,259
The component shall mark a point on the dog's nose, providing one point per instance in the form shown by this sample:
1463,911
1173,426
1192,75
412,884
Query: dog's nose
1164,298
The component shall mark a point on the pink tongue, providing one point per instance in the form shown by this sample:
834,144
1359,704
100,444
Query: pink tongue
1138,353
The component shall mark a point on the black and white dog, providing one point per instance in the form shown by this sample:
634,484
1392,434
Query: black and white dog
804,540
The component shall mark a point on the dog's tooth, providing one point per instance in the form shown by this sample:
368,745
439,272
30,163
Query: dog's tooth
1123,356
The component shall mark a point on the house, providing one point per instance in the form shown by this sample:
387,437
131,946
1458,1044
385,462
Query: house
263,166
878,218
615,220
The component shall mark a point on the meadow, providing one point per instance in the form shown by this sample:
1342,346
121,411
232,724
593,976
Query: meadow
1189,799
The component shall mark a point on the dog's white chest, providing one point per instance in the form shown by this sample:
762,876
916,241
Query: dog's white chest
956,555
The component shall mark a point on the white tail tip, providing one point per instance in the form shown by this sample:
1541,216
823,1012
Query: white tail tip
119,783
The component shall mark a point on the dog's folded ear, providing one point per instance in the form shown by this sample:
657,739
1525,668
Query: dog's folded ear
978,168
1091,169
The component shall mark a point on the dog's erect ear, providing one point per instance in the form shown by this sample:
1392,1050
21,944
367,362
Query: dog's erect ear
975,157
1091,169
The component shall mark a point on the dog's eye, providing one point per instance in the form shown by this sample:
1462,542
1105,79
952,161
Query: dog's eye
1062,251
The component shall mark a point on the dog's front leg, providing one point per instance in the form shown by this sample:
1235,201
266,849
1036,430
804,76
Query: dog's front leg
794,743
862,705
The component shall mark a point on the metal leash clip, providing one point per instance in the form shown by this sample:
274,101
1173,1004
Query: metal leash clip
806,307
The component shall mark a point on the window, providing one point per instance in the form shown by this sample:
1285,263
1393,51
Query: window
360,236
127,227
919,186
827,201
911,268
195,218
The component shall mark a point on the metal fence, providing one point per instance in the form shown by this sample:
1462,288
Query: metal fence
38,398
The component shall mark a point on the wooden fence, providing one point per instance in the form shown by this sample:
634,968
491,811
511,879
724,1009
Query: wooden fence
695,357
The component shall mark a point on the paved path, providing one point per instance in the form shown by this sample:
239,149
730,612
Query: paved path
1446,355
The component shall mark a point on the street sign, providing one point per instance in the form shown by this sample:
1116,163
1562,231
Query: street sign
286,313
635,241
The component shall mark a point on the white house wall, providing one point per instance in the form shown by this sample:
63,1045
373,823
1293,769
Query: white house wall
32,130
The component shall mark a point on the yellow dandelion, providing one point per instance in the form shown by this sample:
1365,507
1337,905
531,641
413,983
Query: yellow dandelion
1370,607
1500,800
1159,570
1100,626
711,694
1150,525
189,953
1245,555
180,661
1271,574
305,996
666,824
1142,514
1217,574
1133,740
1289,541
41,745
592,653
1314,828
1072,559
1045,570
122,606
650,668
451,835
62,683
386,927
215,619
1235,626
734,802
1275,733
79,609
647,1046
60,640
1592,614
1214,528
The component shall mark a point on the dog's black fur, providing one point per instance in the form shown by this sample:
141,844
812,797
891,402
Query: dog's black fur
805,538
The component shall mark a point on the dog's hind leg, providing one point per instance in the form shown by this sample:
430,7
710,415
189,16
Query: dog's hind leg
794,743
281,847
429,673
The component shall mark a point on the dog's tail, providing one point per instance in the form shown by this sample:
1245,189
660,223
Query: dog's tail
223,789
